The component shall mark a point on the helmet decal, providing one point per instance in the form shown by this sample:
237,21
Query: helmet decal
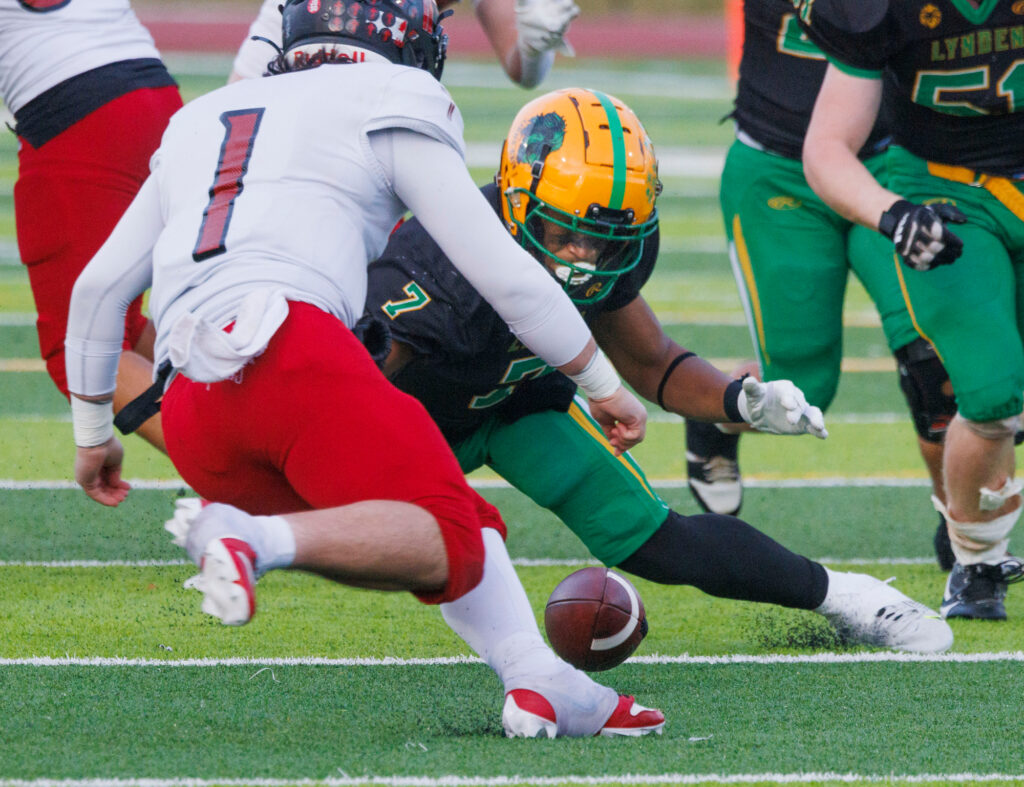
540,135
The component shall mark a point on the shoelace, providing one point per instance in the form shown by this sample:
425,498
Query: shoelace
718,468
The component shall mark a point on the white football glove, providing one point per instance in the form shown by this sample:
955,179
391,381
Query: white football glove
779,407
542,24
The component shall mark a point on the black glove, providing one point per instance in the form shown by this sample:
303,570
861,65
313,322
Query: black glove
920,235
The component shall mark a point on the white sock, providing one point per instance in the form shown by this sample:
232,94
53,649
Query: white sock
270,537
277,543
496,620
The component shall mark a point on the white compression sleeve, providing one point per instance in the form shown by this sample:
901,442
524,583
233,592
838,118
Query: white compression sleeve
118,273
253,56
431,179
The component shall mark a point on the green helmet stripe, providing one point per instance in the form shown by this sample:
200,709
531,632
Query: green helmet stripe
618,151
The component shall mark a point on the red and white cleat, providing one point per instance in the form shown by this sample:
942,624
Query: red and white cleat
227,580
528,715
632,718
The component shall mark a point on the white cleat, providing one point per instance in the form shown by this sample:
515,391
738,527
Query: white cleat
185,511
227,580
869,611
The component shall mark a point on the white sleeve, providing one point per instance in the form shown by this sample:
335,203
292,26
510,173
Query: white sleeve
118,273
253,56
431,179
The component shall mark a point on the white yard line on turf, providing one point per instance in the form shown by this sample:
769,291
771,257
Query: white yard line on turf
12,484
391,661
533,781
528,562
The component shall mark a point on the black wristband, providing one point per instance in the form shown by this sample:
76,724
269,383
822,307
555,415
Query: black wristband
668,372
731,400
887,223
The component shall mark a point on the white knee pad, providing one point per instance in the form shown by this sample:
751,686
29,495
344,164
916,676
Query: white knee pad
980,542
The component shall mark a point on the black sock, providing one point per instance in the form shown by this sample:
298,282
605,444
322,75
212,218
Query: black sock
724,556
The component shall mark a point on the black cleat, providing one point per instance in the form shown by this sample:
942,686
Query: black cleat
977,591
943,549
712,468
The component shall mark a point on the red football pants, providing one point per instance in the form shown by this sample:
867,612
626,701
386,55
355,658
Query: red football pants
71,192
312,424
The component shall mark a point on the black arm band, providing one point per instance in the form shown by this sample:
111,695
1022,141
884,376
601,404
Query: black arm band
731,399
668,373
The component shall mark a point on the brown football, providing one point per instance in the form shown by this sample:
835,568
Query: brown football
595,619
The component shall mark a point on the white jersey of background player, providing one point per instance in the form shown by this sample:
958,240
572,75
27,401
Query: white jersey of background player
42,50
283,189
525,35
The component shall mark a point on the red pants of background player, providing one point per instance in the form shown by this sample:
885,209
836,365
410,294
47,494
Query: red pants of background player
311,424
71,192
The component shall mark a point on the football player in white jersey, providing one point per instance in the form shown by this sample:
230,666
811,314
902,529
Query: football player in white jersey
267,200
525,35
90,99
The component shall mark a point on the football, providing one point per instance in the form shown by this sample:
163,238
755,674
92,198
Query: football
595,619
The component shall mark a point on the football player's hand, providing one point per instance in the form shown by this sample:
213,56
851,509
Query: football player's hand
542,24
779,407
920,234
623,419
98,472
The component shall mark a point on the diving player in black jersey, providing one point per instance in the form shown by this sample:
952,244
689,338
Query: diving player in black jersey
951,73
577,187
792,254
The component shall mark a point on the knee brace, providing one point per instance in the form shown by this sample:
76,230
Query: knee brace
927,389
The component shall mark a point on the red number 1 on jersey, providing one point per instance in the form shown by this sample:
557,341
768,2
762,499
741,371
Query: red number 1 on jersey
240,128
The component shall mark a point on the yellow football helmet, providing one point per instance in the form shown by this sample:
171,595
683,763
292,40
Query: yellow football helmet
580,158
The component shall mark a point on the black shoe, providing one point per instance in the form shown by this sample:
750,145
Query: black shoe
943,549
714,473
977,591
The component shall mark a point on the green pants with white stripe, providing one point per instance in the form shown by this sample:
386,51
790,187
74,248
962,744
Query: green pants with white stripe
563,463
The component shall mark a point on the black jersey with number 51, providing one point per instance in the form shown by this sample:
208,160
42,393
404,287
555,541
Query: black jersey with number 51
953,72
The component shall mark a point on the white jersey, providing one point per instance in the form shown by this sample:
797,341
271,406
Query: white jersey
300,202
285,188
42,48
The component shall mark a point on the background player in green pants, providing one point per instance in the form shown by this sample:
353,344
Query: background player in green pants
791,256
953,73
586,211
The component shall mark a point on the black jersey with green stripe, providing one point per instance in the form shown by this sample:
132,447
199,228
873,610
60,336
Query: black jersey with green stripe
780,73
468,365
953,72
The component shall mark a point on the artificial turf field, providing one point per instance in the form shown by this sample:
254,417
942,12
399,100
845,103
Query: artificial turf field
110,674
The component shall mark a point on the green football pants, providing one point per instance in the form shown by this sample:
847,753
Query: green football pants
563,463
791,256
973,310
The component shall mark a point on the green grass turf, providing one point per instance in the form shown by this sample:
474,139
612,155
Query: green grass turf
328,721
143,612
295,722
43,449
841,523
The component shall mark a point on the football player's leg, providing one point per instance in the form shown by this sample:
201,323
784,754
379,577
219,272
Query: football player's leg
922,377
969,314
69,195
313,425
